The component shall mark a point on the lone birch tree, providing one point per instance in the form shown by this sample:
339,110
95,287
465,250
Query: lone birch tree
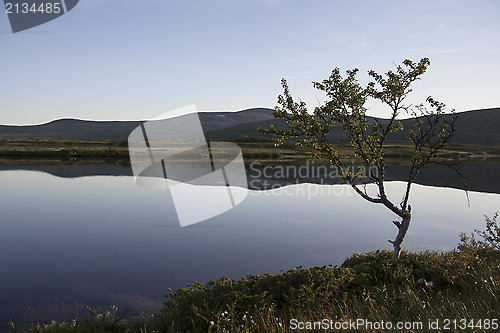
368,137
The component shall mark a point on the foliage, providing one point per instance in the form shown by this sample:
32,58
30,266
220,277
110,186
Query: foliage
492,233
490,237
94,321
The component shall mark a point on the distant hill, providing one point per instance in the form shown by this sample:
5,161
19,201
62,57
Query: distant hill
478,127
75,129
71,129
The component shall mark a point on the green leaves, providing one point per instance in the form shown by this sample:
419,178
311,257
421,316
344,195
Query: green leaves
394,86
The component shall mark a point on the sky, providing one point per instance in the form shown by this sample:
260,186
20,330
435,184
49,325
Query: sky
134,60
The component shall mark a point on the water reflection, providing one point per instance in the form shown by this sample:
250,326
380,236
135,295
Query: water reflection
480,177
102,240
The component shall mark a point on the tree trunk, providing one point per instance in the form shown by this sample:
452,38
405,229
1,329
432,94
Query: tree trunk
403,228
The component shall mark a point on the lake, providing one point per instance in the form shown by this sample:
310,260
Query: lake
101,240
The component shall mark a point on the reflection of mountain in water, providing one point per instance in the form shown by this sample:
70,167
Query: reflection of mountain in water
479,177
74,170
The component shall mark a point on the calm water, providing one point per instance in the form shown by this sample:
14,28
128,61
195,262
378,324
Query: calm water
102,241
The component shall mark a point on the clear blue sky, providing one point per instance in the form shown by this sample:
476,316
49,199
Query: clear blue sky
129,60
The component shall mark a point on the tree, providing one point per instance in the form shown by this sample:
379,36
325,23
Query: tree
345,106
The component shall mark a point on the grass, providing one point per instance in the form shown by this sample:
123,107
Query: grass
369,286
262,151
61,149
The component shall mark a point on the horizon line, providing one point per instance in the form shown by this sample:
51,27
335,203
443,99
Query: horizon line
206,111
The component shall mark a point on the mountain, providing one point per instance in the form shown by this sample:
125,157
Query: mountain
480,127
477,127
85,130
71,129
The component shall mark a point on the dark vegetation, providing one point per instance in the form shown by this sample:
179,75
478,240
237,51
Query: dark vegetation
263,151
